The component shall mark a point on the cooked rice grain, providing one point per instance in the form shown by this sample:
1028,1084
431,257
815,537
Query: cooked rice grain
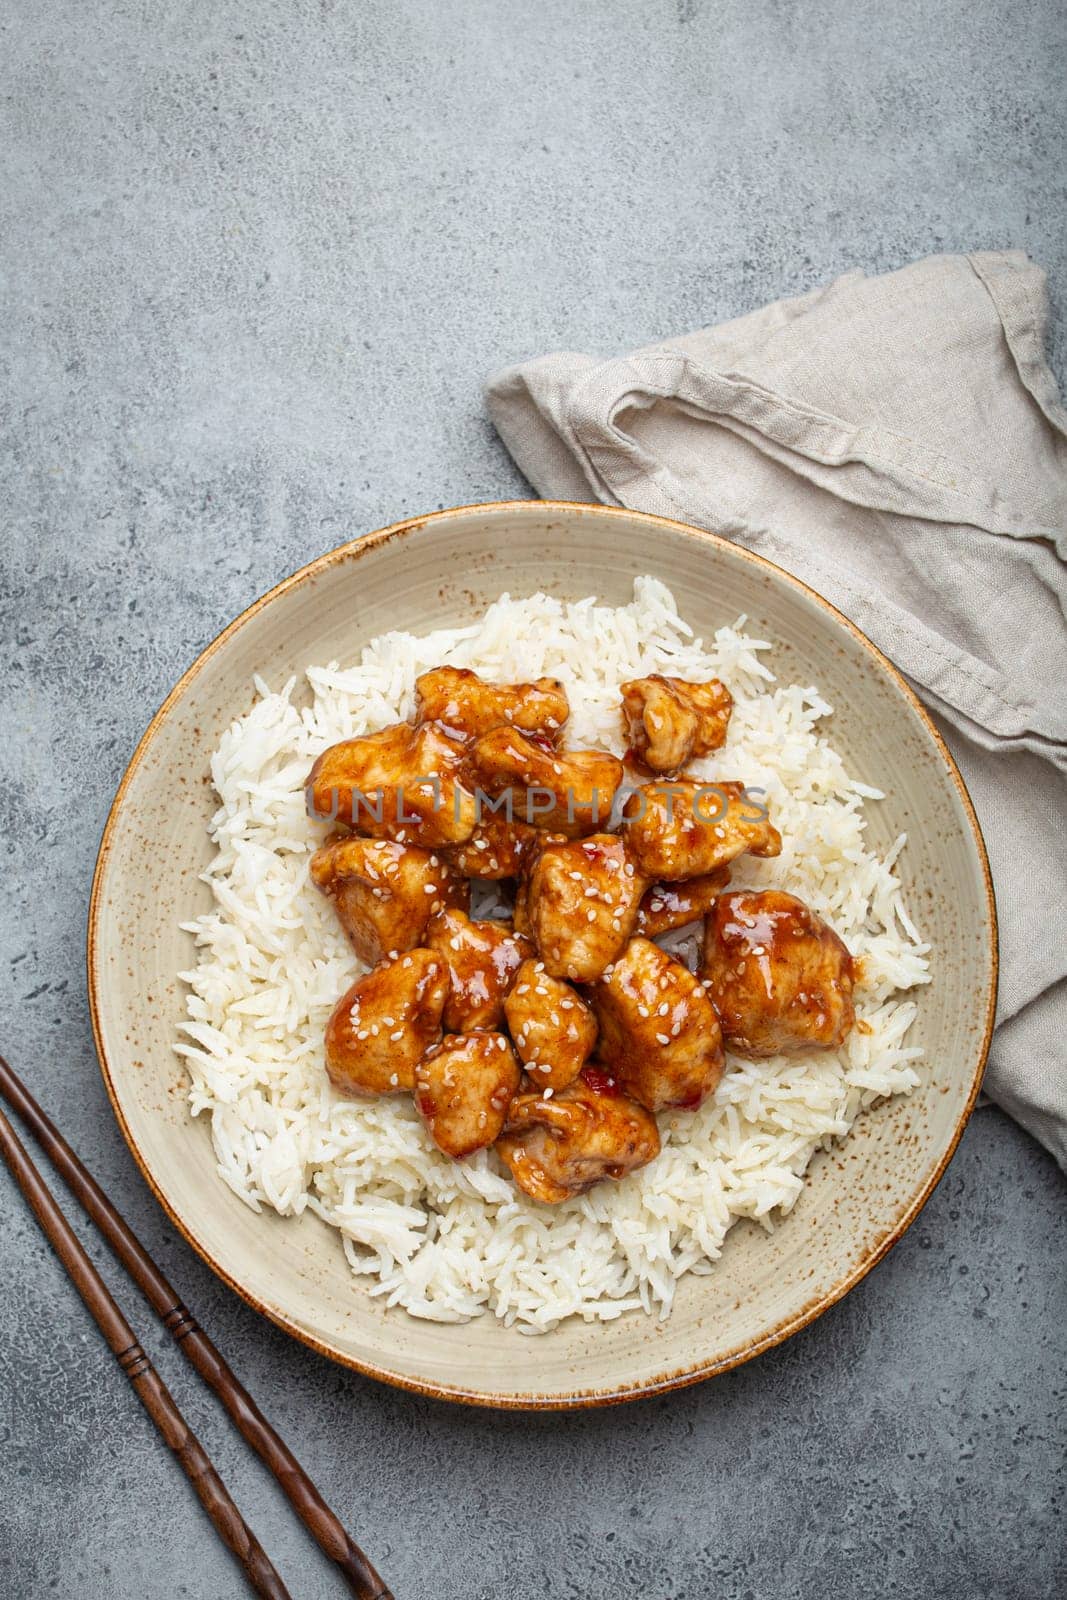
449,1241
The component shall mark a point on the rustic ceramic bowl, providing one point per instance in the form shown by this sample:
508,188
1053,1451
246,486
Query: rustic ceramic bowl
440,571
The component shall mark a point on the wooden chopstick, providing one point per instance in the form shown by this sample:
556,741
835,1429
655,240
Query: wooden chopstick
324,1526
151,1390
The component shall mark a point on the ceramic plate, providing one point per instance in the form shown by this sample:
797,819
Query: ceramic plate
441,571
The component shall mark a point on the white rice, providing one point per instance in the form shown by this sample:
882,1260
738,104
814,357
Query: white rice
450,1241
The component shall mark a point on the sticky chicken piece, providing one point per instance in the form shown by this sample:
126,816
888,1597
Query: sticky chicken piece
553,1028
494,850
566,791
561,1146
779,976
669,721
483,959
685,829
463,1088
460,699
578,903
659,1035
400,783
672,905
385,893
383,1025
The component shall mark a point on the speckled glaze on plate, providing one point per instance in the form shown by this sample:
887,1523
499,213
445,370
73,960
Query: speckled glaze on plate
440,571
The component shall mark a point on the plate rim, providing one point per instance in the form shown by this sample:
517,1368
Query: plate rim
532,1400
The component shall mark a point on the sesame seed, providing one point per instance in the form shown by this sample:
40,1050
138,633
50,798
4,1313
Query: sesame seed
399,1034
663,1038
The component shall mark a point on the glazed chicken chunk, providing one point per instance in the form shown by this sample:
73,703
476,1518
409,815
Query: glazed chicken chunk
553,1028
562,1146
685,829
463,1089
383,1025
495,849
578,903
460,699
779,976
673,905
482,960
668,721
659,1035
400,783
567,791
385,893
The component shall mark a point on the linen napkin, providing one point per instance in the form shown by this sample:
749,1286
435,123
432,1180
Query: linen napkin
898,442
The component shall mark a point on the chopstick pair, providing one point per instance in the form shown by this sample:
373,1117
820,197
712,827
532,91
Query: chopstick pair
231,1527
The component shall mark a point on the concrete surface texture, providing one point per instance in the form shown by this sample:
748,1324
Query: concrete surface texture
259,257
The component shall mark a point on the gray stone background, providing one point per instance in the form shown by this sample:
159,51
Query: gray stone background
259,256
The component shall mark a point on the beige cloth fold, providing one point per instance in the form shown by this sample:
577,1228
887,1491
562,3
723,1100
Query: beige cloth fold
899,443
